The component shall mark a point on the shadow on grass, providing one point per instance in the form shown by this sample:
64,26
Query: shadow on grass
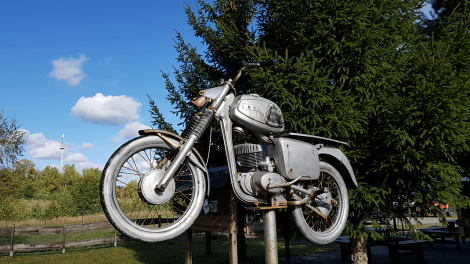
173,251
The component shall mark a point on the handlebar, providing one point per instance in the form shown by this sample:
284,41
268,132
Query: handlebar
255,64
267,63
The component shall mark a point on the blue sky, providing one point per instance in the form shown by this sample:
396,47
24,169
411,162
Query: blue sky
83,69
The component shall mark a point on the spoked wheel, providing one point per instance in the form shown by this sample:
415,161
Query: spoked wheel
322,219
132,203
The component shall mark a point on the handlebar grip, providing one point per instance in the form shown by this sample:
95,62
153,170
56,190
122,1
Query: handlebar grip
267,62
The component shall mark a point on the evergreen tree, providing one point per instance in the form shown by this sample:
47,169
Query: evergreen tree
357,71
223,26
443,9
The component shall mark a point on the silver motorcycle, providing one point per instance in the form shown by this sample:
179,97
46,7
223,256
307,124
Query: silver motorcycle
154,186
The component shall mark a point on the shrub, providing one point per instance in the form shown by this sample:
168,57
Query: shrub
36,212
13,209
28,191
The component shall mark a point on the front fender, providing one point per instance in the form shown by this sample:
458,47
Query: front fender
196,159
334,156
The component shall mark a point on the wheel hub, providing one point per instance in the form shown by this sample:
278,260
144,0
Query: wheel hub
149,193
324,203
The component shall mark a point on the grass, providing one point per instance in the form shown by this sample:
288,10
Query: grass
69,220
171,251
109,232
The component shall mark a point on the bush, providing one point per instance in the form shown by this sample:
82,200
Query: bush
13,209
36,212
28,191
86,192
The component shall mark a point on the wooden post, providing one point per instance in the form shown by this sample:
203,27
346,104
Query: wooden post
115,238
208,242
241,215
286,243
233,252
189,244
63,240
12,240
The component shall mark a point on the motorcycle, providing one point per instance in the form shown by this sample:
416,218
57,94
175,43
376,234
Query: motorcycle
154,186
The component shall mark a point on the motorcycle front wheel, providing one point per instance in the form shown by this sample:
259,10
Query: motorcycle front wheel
130,200
323,219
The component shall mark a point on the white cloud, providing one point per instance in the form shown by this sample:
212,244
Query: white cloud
69,69
42,148
144,166
87,165
108,110
130,131
82,161
87,146
75,157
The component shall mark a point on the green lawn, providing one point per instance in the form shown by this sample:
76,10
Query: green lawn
172,251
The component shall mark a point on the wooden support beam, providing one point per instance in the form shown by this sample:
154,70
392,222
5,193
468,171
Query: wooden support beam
233,250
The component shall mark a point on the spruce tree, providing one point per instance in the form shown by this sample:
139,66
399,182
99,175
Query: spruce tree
361,72
224,28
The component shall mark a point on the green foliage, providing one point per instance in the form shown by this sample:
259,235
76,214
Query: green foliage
13,209
443,9
11,139
27,170
363,72
85,192
50,180
69,176
28,191
223,26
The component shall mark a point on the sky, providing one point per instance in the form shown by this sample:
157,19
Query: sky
84,69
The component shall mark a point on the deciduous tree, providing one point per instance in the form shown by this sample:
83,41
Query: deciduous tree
11,138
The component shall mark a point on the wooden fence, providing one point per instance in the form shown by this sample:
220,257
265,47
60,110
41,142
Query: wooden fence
64,230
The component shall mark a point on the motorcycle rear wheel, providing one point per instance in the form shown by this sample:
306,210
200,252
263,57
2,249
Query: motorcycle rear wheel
133,205
314,227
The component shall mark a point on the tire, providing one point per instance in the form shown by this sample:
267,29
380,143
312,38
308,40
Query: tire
450,211
131,203
315,228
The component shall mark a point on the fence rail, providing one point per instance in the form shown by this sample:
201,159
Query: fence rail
64,230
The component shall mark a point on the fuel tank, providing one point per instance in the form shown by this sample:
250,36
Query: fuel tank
257,114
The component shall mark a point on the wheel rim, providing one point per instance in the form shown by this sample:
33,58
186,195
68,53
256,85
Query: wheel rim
328,204
133,197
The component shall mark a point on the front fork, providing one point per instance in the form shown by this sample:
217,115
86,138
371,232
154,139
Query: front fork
196,130
185,149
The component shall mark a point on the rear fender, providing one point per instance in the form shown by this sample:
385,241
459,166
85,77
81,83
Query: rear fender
337,159
195,159
329,151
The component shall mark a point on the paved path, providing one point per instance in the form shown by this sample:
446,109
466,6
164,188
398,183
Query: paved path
439,253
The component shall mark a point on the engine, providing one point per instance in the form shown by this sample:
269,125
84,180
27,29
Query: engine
256,170
248,156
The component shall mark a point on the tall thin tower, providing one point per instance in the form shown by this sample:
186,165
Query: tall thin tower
62,155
